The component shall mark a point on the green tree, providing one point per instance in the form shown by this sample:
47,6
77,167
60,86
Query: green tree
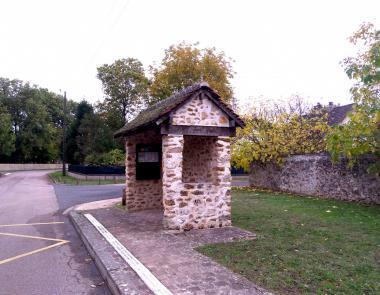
73,154
34,131
361,135
37,137
36,116
94,136
7,137
12,96
185,64
54,107
125,86
88,134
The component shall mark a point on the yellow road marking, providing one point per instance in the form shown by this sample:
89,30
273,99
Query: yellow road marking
32,237
59,242
32,252
25,224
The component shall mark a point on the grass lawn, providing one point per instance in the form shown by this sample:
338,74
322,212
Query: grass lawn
57,177
305,245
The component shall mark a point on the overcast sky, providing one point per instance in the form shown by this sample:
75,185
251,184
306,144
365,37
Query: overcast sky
280,48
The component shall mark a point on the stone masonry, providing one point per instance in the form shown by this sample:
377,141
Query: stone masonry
200,111
141,194
316,175
192,131
198,204
198,158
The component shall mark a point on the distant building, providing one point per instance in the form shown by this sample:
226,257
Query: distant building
338,115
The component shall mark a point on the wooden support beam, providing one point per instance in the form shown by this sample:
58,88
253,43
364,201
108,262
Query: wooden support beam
198,130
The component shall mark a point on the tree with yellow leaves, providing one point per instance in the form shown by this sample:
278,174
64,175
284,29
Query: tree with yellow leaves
272,134
185,64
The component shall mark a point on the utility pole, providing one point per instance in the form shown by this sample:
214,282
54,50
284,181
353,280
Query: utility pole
64,137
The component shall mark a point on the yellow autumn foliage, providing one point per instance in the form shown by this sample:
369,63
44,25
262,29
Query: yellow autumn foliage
272,138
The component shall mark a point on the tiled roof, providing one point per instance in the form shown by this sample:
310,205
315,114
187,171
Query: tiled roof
339,113
163,108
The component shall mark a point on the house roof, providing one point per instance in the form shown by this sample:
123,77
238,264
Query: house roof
339,113
163,108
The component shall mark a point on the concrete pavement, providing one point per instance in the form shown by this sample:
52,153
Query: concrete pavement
168,255
28,198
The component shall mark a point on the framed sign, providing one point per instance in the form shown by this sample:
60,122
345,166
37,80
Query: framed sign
148,161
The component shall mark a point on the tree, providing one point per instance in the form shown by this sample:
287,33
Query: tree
13,98
94,136
361,135
34,132
114,157
36,116
125,86
7,137
185,64
88,134
73,154
54,107
272,134
37,138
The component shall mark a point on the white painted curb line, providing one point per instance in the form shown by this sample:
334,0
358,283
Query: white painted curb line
146,276
93,205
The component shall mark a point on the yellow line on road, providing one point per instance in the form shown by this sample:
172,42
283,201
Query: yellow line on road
25,224
59,242
32,237
32,252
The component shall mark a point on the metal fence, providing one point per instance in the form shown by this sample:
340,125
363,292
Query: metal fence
97,170
238,171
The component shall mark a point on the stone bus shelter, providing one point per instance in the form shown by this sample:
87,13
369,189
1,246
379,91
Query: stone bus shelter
178,159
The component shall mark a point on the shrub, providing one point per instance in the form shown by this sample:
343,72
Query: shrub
114,157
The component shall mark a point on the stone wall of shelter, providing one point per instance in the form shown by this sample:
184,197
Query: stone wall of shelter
141,194
197,204
200,111
198,158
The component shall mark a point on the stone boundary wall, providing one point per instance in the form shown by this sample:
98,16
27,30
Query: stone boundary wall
26,167
316,175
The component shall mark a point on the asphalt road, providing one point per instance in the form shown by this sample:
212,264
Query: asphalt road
26,198
70,195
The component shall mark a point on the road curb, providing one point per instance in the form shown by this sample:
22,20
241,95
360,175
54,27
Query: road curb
119,276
